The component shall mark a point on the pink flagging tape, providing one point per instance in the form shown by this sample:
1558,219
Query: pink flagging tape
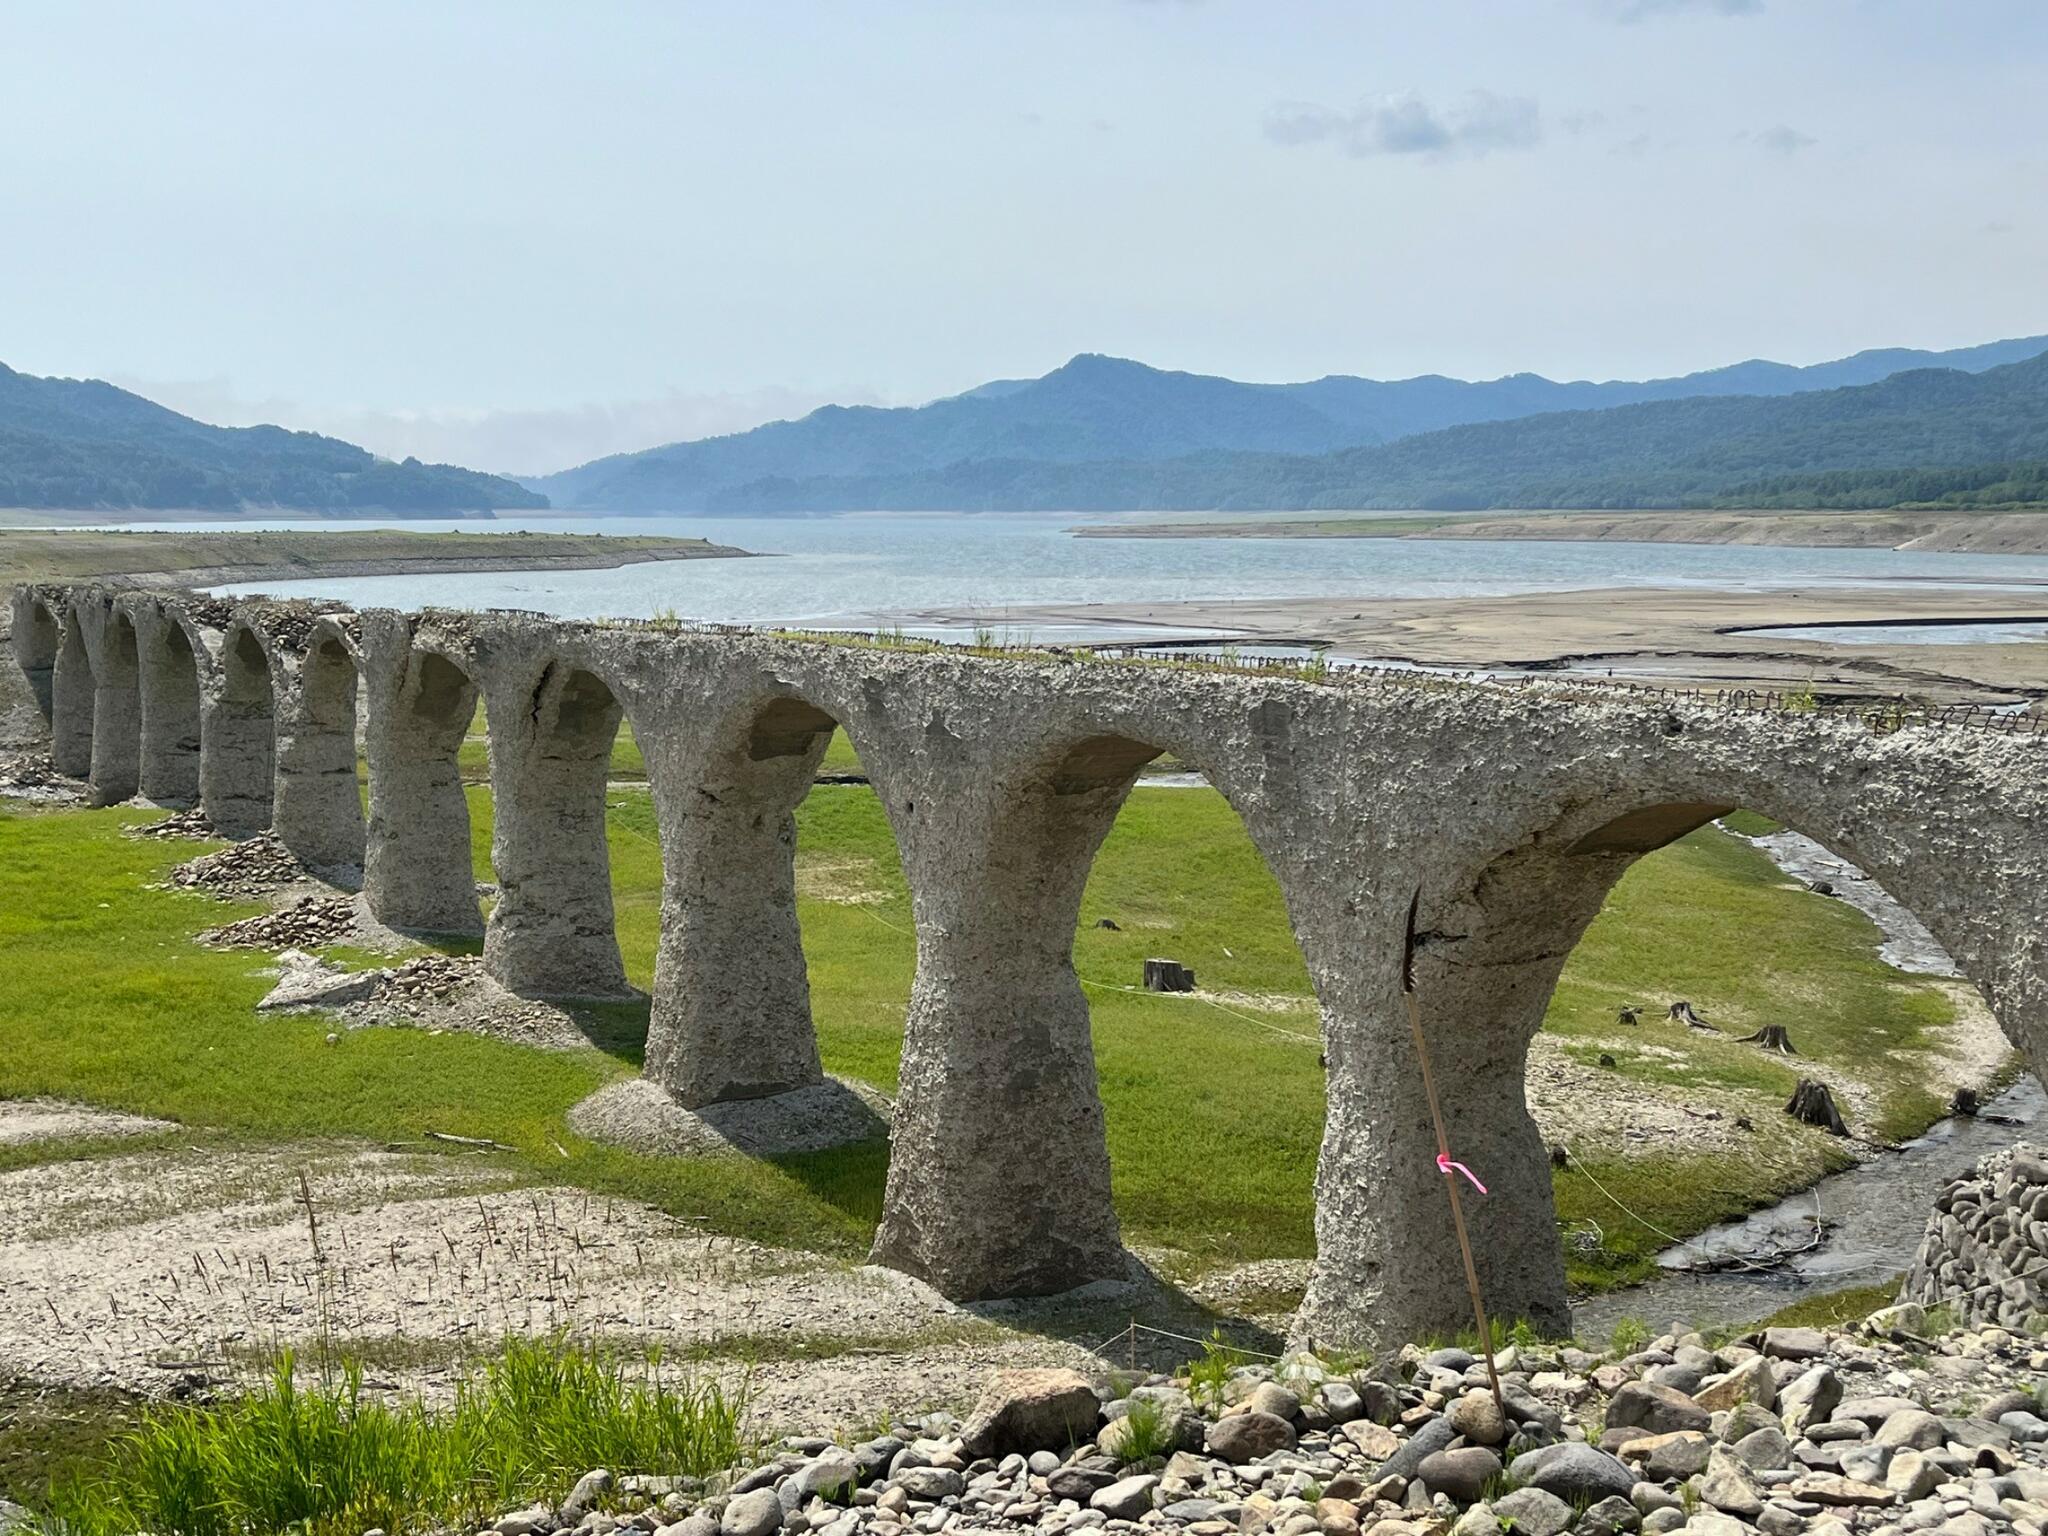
1444,1165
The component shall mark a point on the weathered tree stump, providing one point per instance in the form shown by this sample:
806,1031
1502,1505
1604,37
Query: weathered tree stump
1813,1104
1772,1037
1965,1102
1685,1014
1168,976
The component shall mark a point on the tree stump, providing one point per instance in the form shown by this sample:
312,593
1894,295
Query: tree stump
1965,1102
1628,1013
1685,1014
1168,976
1813,1104
1772,1037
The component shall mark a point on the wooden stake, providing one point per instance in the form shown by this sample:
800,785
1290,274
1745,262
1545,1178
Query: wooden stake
1443,1150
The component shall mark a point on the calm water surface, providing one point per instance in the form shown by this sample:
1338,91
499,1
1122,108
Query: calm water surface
853,570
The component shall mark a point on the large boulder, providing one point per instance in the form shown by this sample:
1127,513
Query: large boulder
1242,1437
1046,1409
1655,1410
1574,1471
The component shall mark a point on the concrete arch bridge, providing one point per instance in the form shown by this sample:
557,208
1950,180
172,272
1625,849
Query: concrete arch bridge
1511,810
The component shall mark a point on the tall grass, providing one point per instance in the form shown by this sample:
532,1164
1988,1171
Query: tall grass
325,1460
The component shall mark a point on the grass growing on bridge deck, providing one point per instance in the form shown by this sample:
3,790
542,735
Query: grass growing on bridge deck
1214,1104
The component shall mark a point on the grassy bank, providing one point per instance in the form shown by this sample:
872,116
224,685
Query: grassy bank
110,1003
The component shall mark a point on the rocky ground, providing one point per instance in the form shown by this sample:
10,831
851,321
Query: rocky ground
1877,1432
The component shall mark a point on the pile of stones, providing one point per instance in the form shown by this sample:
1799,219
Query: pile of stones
1985,1252
309,922
33,776
191,824
427,979
254,867
1879,1432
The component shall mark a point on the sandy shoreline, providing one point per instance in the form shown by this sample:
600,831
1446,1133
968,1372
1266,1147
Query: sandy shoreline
1675,635
144,559
1989,533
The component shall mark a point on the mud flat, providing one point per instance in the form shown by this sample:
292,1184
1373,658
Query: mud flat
203,559
1680,636
1988,533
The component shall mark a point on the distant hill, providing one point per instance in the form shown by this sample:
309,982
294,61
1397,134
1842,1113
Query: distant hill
80,443
1854,445
1108,410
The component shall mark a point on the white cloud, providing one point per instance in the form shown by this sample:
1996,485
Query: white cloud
1407,125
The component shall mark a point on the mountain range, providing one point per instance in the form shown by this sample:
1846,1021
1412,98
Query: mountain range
1099,431
80,444
1881,428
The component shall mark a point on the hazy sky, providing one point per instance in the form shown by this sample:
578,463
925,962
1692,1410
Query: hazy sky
518,235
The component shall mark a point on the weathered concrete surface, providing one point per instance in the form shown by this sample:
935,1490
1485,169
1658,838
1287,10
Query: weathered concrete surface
1508,811
169,673
318,810
552,726
33,635
416,869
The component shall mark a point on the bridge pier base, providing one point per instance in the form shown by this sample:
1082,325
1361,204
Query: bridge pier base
168,673
319,810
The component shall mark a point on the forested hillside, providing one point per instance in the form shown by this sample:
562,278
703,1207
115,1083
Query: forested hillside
83,444
1021,438
1680,453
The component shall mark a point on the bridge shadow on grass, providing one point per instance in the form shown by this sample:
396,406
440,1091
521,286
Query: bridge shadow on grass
619,1029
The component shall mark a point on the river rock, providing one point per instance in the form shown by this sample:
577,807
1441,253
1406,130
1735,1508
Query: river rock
1462,1473
1573,1470
1810,1398
1532,1512
1426,1441
1655,1410
1679,1454
1608,1517
932,1483
1479,1419
1730,1486
1764,1450
1043,1409
752,1514
1795,1343
1749,1382
1912,1429
1080,1484
1242,1437
1125,1499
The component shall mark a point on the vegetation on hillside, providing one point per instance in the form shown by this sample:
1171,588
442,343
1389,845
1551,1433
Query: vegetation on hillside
1103,432
80,443
1677,453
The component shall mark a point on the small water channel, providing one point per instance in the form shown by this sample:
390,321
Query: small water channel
1875,1213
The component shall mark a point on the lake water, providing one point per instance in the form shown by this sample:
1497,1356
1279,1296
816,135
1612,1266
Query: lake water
854,570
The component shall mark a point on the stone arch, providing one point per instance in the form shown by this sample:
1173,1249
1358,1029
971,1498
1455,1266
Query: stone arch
74,694
238,766
999,1109
418,871
170,671
1501,910
319,812
731,1008
553,932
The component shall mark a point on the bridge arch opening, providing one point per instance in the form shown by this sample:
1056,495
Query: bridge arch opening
1064,1092
172,724
1639,992
784,909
